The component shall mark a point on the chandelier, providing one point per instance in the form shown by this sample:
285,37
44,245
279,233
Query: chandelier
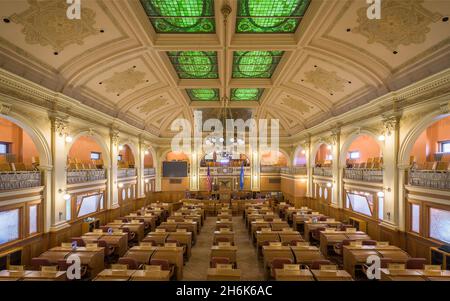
224,111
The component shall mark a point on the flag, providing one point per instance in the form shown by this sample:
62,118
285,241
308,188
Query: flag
208,177
241,178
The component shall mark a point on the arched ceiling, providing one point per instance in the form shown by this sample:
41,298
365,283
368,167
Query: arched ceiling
148,62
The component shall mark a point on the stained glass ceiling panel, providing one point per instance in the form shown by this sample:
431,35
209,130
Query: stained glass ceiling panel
181,16
203,94
255,64
194,64
270,16
246,94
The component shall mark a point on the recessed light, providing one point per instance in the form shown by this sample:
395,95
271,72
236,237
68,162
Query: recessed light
445,19
102,31
55,53
6,20
395,52
348,30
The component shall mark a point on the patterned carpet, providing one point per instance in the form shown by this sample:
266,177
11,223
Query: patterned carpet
196,267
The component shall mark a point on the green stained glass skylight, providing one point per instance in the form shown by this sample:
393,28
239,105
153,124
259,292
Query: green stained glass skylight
181,16
270,16
194,64
203,94
255,64
252,94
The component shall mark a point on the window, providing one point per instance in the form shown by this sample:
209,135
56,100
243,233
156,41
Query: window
5,147
95,155
439,224
415,218
69,210
354,155
325,194
89,204
444,146
380,207
33,218
360,203
119,158
9,225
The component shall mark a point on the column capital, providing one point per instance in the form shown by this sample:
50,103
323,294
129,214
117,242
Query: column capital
114,134
5,108
445,107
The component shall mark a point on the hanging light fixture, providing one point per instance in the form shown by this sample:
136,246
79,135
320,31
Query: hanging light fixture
225,111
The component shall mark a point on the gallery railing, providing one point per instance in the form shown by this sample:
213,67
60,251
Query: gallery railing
85,175
365,175
19,180
126,172
322,171
430,179
149,171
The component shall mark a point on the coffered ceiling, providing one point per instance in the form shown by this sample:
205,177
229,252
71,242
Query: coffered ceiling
148,62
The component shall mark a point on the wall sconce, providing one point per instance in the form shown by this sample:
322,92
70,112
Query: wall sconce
66,196
146,152
329,185
120,185
380,194
120,147
69,139
381,137
146,181
303,152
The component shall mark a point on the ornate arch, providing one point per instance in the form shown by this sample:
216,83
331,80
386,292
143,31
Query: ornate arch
97,138
352,137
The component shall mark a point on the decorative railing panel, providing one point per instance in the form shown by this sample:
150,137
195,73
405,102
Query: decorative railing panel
126,172
430,179
365,175
19,180
270,169
296,170
149,171
85,175
322,171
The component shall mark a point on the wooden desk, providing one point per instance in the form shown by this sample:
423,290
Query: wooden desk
298,220
94,260
159,237
184,238
108,275
173,255
228,251
271,252
266,236
55,256
149,219
288,236
224,224
293,275
444,275
328,239
137,228
306,255
401,275
311,226
141,275
223,274
357,255
40,276
6,275
219,234
278,225
141,254
118,240
340,275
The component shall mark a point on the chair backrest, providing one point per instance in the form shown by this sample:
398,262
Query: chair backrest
130,262
149,240
222,239
416,263
5,167
80,242
369,242
384,262
219,260
315,264
322,218
38,262
173,241
163,263
279,262
295,241
346,242
442,165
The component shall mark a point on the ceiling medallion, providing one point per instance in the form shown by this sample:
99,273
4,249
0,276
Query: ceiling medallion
328,81
45,23
403,22
123,81
297,105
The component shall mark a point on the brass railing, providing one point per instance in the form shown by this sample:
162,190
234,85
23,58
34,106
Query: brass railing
126,172
429,179
149,171
323,171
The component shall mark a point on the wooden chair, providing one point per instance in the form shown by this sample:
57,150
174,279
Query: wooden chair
442,165
5,167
